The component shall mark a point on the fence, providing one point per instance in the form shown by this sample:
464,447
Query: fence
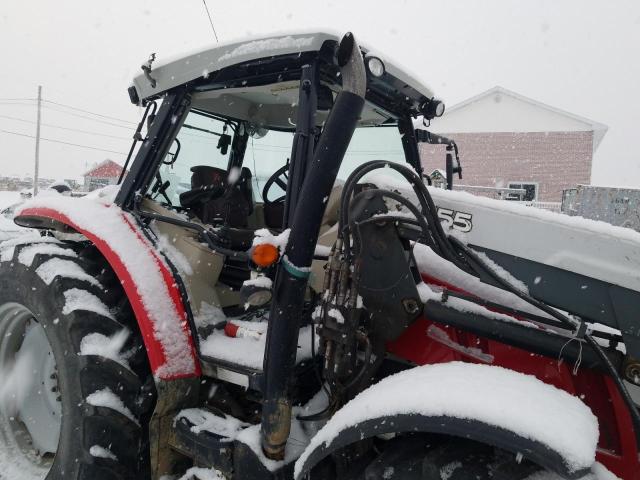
551,206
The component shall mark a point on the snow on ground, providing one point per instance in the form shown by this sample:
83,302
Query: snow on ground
16,466
8,198
8,229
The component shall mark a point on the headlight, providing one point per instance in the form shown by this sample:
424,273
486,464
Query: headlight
434,108
375,66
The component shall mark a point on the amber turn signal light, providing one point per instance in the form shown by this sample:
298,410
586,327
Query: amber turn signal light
265,254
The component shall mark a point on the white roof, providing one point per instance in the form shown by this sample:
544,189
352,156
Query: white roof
501,110
172,72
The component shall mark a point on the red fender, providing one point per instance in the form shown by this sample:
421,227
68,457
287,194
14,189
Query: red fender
167,337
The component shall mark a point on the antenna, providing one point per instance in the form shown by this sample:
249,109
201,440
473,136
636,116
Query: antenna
210,21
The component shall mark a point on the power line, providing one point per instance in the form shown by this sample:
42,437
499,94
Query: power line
87,118
63,143
210,21
9,103
14,99
64,128
18,103
89,112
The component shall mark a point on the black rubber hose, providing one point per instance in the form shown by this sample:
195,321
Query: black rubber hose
398,198
447,243
441,241
353,179
292,276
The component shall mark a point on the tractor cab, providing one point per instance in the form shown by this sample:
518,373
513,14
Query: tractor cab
230,142
237,150
232,132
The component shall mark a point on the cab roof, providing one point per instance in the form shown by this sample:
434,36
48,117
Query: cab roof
206,65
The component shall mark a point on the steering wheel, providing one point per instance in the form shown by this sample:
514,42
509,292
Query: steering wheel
281,178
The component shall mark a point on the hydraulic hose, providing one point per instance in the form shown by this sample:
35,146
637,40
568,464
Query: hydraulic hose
439,240
450,248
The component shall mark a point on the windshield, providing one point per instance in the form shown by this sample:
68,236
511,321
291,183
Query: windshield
265,155
372,143
267,151
198,140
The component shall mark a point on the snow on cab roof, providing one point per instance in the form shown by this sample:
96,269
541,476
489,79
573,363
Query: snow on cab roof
173,71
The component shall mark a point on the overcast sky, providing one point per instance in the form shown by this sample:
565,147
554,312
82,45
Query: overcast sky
580,56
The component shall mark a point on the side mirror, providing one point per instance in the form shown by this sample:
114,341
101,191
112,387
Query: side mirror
174,155
453,164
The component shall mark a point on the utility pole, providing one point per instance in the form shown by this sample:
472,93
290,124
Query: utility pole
35,176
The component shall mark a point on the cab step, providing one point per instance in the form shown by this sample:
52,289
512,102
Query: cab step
211,441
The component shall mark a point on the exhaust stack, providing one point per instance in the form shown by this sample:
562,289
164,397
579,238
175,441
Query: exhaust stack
293,272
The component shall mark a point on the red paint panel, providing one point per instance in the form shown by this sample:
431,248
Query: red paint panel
617,446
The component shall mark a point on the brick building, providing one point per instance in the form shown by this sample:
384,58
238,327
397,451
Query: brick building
507,140
105,173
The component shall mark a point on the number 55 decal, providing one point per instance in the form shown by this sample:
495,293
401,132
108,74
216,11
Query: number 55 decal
459,220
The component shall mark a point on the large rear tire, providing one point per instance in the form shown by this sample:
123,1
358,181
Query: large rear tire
78,405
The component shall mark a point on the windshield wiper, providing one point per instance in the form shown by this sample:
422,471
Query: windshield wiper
191,127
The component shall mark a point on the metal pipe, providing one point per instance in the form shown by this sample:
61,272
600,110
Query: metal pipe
293,270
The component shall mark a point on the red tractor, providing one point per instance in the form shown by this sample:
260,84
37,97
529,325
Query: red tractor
272,291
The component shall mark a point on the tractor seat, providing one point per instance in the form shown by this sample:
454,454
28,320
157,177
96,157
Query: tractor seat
232,208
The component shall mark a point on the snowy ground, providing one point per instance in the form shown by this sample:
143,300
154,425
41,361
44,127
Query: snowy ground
8,198
8,229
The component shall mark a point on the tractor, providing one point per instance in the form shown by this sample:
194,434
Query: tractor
274,291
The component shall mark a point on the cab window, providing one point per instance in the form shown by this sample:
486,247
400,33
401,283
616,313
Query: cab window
197,144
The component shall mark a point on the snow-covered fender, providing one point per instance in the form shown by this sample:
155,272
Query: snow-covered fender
145,276
492,405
